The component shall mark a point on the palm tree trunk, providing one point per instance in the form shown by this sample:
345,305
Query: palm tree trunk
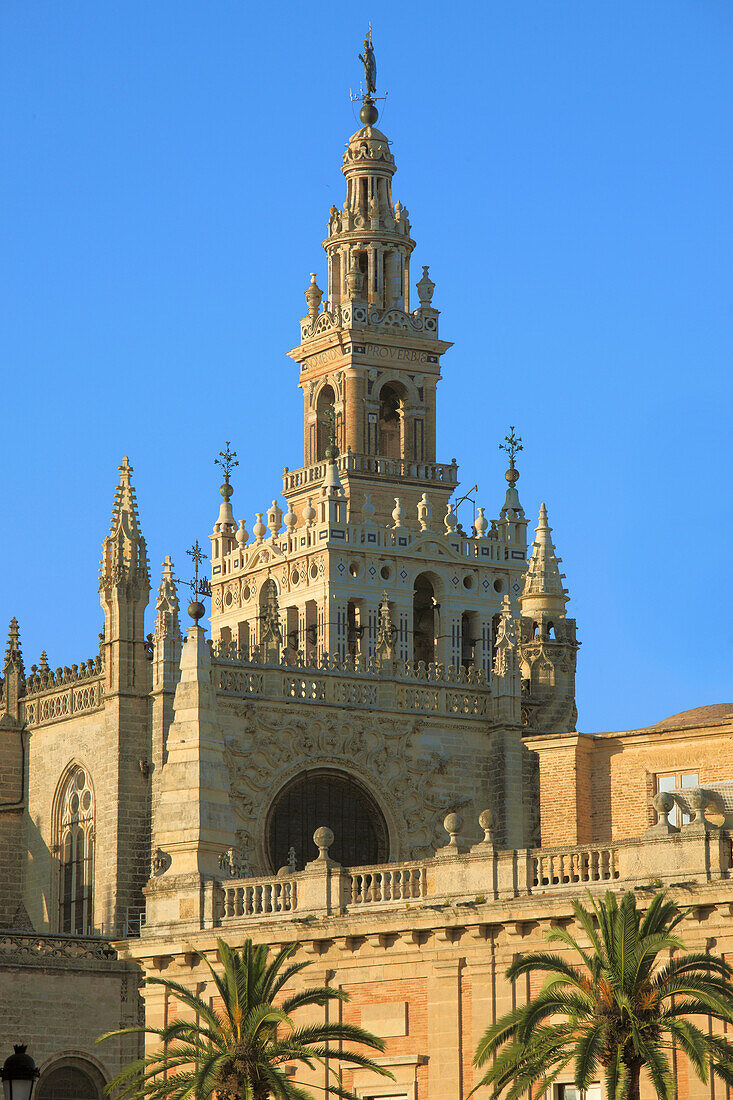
634,1078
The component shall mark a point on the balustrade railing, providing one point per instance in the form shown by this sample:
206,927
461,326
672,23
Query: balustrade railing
259,898
427,688
382,884
567,867
351,463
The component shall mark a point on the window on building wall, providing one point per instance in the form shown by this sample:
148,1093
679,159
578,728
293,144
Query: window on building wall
76,854
570,1092
674,781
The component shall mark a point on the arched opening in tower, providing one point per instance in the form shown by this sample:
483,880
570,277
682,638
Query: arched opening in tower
325,421
424,619
336,800
390,426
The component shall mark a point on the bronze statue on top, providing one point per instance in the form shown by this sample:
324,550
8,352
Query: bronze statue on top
370,64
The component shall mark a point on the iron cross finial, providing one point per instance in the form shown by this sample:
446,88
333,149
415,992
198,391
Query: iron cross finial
512,445
227,460
199,588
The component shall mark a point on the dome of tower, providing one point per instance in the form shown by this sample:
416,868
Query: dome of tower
368,146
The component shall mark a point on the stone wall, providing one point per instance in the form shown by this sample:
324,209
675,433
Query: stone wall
58,994
13,794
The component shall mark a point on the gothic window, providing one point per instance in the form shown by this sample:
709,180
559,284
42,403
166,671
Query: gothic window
76,854
333,799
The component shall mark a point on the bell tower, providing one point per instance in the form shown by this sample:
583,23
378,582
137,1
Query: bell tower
369,365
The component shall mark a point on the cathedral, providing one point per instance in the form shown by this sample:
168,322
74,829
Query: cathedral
373,753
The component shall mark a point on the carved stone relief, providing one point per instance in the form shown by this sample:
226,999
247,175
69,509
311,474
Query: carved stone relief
274,745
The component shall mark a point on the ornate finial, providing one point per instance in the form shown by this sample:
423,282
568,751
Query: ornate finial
198,587
227,460
425,288
512,445
313,296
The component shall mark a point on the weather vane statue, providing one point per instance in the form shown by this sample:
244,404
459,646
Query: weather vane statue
512,444
199,587
370,64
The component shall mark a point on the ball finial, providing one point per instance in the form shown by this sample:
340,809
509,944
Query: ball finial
196,610
368,113
323,838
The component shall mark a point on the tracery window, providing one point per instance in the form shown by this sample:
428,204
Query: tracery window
76,854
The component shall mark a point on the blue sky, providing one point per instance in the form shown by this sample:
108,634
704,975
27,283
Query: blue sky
167,174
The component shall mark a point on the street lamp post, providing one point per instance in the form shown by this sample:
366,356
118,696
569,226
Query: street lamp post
19,1074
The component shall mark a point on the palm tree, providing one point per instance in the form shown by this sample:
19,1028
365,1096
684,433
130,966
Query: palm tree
620,1009
242,1051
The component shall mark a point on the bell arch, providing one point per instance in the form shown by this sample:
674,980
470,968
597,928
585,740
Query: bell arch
325,420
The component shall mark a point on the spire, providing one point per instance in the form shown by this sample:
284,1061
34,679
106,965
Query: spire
543,588
124,512
124,588
14,677
13,655
166,603
167,635
505,647
124,554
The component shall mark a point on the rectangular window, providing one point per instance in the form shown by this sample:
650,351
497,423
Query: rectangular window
569,1092
671,781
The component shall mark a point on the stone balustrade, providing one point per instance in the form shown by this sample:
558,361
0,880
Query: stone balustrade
358,682
467,877
31,949
562,867
80,695
351,463
259,897
404,882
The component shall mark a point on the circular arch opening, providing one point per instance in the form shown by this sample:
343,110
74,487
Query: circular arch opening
337,800
70,1079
